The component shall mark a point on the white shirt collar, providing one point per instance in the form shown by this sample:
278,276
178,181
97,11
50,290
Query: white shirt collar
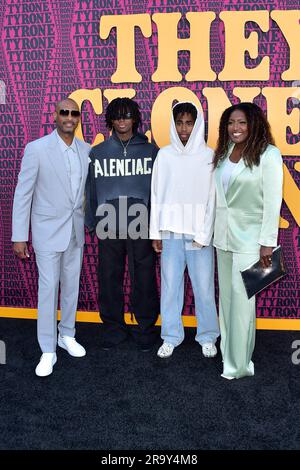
64,146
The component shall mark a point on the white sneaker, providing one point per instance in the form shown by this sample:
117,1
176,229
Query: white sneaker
209,350
166,350
45,366
228,377
70,344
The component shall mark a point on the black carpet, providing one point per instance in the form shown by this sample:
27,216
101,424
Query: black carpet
126,399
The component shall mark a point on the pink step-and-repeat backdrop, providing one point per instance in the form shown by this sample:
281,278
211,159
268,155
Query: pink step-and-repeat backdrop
96,49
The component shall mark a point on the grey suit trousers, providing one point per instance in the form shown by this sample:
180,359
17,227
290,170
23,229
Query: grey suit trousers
54,268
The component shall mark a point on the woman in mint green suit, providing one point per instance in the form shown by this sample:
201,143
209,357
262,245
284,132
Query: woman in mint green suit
248,172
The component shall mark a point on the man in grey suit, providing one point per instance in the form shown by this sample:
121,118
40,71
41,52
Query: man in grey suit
50,192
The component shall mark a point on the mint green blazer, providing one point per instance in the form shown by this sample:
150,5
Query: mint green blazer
247,216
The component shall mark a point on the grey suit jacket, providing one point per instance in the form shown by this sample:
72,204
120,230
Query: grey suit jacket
44,191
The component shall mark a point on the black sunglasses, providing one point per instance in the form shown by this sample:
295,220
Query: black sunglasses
66,112
122,116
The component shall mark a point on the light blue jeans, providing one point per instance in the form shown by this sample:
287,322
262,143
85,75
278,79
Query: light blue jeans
177,253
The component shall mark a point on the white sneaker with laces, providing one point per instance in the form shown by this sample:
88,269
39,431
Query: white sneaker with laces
209,350
166,350
70,344
45,366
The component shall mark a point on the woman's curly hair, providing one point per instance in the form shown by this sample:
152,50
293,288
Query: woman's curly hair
259,134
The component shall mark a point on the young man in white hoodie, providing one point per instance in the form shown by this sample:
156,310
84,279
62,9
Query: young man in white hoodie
181,227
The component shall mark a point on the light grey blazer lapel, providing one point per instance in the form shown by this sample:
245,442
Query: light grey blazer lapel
83,163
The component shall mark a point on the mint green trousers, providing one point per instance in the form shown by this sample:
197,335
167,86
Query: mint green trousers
237,314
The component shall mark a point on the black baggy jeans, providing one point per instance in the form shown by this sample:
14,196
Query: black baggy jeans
144,302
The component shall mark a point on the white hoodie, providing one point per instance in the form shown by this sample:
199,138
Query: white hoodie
182,187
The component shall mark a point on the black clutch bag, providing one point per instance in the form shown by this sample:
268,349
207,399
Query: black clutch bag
256,278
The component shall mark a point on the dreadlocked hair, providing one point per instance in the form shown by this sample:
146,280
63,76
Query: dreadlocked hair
259,134
121,106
